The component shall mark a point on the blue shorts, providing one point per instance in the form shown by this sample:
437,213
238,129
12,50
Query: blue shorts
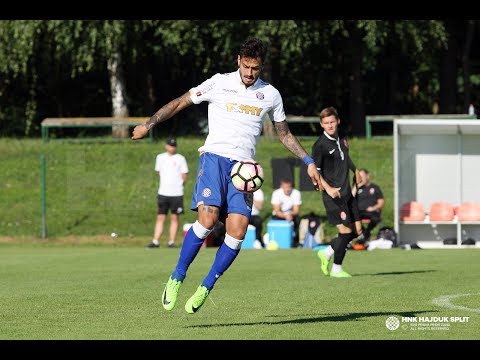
214,187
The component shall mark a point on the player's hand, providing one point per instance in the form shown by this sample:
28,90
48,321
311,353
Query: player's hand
288,217
315,176
333,192
358,179
319,186
139,132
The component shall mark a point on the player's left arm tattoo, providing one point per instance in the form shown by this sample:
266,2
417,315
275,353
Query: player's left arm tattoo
288,139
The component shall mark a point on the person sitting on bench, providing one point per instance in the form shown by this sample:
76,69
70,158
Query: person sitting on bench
370,203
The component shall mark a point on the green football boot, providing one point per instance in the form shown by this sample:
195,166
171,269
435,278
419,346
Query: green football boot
341,274
169,297
323,262
197,300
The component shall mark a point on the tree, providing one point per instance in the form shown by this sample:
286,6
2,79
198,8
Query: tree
99,43
18,85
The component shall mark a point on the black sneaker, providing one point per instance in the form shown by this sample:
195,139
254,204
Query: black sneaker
152,246
172,245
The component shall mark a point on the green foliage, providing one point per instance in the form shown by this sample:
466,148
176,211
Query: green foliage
475,79
16,48
53,68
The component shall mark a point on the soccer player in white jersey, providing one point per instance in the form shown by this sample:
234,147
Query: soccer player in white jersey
237,104
172,169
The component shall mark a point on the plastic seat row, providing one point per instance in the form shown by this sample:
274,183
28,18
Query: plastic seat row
440,211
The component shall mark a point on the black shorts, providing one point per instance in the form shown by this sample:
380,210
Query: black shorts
340,210
172,203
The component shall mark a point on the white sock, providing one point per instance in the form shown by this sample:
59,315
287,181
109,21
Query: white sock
170,242
232,243
336,268
328,252
200,231
155,241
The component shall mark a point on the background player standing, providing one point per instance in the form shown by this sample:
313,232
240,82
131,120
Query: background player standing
330,153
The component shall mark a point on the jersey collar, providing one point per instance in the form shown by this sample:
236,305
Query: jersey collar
329,137
337,140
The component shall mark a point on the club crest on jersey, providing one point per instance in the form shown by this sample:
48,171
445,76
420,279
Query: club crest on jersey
345,142
206,192
372,191
260,96
343,215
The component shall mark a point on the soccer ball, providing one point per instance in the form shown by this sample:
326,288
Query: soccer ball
247,175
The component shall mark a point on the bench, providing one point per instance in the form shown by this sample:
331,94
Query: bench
79,122
389,118
300,119
303,119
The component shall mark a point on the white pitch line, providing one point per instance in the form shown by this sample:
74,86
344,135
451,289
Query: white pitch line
444,301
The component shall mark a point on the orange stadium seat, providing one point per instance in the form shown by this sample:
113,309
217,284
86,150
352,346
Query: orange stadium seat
469,211
412,211
441,211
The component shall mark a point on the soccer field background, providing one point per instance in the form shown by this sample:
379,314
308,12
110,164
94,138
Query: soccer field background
96,188
114,292
81,283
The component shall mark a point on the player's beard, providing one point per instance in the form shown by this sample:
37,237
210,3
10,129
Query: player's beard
248,81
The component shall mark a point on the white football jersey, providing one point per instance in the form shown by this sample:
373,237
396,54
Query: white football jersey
236,112
286,202
171,168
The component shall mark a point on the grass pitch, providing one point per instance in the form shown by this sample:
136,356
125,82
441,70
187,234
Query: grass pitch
109,292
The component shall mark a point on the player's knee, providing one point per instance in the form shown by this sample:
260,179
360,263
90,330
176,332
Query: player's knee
207,221
237,233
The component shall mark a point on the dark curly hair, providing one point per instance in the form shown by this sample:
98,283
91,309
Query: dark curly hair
253,48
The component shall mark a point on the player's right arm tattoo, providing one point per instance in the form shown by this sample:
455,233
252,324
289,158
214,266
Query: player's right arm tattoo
170,109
